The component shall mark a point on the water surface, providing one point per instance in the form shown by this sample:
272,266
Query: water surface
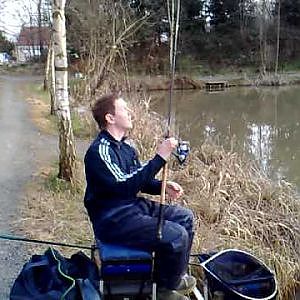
264,122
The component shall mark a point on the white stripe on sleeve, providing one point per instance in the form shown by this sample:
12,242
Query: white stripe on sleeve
119,175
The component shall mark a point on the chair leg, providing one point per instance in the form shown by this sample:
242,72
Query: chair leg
154,291
205,289
198,295
101,289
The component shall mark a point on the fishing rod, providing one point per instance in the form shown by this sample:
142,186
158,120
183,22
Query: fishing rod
22,239
173,18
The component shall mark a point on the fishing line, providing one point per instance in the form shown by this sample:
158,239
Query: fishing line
22,239
173,18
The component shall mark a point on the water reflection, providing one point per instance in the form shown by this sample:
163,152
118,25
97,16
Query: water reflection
265,123
260,144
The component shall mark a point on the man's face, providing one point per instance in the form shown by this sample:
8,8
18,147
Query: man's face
122,116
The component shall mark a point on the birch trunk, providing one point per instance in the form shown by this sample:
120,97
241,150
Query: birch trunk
53,104
66,140
47,70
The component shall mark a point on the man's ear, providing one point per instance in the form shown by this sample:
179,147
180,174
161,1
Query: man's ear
109,118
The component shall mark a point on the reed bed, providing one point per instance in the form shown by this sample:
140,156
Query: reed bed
235,204
238,207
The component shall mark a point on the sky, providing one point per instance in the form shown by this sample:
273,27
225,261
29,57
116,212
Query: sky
13,15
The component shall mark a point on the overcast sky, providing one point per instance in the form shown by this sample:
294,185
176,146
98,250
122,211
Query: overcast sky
14,14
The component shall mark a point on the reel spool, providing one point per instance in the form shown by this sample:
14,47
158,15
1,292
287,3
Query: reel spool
182,151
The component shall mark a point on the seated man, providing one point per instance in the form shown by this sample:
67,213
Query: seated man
114,178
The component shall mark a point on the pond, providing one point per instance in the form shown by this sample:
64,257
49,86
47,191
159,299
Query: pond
261,122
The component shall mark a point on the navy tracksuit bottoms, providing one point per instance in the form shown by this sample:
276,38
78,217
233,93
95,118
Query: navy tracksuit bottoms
137,227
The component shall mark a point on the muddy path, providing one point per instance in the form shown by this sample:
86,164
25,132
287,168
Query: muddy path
23,150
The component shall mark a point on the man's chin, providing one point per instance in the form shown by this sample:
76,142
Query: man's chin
128,128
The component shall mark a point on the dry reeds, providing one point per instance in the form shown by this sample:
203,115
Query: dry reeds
239,207
147,129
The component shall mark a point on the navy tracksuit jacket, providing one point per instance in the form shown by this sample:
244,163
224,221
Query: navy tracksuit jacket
114,177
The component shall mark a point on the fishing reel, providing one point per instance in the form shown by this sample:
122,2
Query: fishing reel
182,151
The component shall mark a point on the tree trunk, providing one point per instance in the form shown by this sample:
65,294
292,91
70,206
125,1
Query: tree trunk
53,103
278,38
242,18
41,49
262,40
66,140
47,69
261,49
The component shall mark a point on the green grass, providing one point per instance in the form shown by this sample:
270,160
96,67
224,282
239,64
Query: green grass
37,90
291,66
82,126
55,184
23,69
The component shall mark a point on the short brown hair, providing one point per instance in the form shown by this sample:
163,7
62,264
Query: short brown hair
103,106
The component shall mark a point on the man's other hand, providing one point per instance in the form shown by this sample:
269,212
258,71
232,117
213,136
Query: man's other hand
174,190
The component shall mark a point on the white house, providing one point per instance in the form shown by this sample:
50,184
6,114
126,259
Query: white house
31,41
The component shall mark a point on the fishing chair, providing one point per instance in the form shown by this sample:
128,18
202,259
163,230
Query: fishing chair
125,273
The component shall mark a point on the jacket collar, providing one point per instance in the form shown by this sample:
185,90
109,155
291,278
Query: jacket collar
110,138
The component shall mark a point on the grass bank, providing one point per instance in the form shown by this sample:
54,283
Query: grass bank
31,69
39,100
235,204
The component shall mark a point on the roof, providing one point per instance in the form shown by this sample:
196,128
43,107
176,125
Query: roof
31,36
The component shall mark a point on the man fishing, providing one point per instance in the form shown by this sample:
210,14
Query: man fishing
114,178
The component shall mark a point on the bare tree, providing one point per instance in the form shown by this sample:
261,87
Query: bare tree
263,38
265,19
49,69
39,11
66,139
103,30
2,4
278,38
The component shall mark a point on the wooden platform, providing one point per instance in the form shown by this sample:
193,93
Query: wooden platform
213,86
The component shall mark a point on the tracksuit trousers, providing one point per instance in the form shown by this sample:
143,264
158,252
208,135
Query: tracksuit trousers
137,227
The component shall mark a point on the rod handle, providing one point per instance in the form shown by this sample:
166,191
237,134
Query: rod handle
164,184
162,201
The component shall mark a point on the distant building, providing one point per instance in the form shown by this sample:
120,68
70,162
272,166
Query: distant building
31,41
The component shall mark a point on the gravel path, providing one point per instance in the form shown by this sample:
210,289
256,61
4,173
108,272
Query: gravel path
17,136
23,149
